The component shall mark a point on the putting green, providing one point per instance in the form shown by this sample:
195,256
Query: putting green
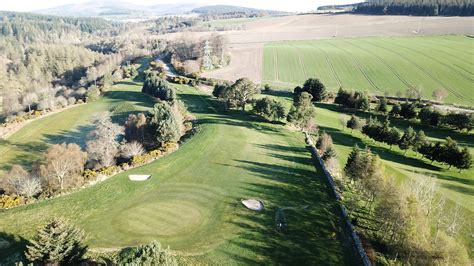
192,202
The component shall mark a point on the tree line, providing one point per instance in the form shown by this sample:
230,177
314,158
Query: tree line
425,113
448,152
417,7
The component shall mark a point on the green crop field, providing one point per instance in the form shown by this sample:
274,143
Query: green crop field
192,202
380,65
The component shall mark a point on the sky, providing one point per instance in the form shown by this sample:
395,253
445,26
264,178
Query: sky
283,5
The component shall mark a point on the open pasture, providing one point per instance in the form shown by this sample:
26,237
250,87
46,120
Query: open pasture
378,65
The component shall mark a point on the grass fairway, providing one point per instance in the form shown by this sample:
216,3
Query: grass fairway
379,64
72,125
192,202
457,187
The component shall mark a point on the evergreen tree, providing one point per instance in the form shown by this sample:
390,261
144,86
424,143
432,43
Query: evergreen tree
408,140
364,102
393,137
420,140
329,153
382,106
302,111
463,160
395,110
408,110
56,243
314,87
353,123
167,123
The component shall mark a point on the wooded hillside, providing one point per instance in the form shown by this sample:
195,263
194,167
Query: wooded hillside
417,7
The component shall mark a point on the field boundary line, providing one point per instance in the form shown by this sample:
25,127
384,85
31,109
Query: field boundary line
385,63
331,66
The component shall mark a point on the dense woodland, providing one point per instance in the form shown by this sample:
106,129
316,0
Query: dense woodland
417,7
49,62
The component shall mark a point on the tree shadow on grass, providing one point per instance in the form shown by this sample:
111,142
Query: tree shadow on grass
344,139
314,235
139,98
28,151
447,177
460,189
400,123
12,248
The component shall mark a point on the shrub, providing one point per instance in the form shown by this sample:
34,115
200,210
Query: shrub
269,109
158,87
108,171
314,87
89,175
149,254
10,201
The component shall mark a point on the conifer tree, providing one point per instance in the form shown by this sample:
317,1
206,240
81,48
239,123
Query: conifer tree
56,243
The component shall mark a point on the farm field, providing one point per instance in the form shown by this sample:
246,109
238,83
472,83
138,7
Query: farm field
246,46
380,65
192,202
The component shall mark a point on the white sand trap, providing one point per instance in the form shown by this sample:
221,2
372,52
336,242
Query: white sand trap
139,177
253,204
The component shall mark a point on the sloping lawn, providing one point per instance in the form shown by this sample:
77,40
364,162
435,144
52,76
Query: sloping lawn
192,202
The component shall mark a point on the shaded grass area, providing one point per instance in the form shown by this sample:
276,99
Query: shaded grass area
378,64
71,126
457,187
192,202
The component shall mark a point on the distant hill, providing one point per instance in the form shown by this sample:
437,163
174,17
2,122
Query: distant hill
111,8
226,9
337,8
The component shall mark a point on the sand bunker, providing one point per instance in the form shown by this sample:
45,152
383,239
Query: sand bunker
253,204
139,177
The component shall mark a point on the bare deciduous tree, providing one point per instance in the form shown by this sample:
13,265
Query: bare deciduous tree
440,94
131,149
102,146
64,161
28,186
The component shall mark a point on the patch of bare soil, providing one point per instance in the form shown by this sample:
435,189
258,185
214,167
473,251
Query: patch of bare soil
246,46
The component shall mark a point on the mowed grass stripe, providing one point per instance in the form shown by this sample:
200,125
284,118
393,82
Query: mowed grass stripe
192,202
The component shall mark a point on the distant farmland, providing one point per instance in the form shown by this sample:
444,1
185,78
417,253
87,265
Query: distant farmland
379,65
